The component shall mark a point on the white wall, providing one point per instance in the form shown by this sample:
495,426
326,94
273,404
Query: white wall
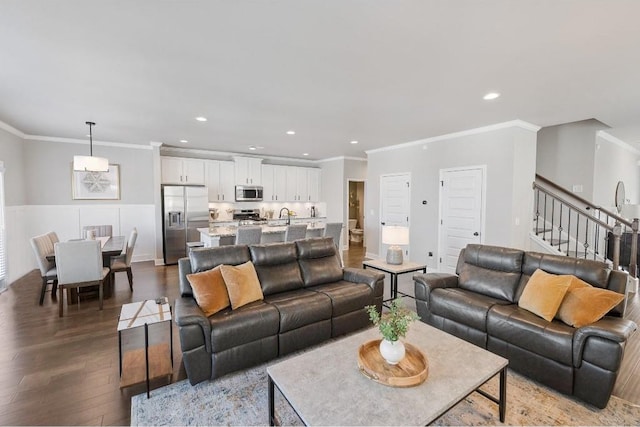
566,154
11,153
615,161
507,151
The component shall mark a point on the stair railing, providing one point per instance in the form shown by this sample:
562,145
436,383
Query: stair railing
583,231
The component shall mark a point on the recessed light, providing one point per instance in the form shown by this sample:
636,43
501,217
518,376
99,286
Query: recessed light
184,141
305,154
253,147
291,132
201,119
354,142
490,96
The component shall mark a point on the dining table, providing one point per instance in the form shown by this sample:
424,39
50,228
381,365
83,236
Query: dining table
110,246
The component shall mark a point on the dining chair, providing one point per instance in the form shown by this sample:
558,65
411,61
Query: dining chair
43,246
99,230
79,265
248,235
334,230
122,262
53,237
295,232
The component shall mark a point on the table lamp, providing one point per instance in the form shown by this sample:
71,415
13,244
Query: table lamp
395,236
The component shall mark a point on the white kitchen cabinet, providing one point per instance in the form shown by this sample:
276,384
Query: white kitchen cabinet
292,183
313,184
248,171
220,181
274,183
303,184
177,170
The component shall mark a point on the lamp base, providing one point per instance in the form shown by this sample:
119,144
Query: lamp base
394,255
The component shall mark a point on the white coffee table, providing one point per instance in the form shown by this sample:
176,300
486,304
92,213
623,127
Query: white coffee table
325,387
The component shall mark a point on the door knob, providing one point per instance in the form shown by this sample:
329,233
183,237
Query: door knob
476,234
382,223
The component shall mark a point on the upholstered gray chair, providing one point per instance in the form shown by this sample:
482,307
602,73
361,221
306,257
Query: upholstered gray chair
248,235
42,246
100,230
79,264
295,232
122,262
333,230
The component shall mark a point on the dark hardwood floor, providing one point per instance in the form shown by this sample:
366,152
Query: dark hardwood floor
64,371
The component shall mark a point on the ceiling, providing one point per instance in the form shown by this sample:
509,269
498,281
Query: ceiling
379,72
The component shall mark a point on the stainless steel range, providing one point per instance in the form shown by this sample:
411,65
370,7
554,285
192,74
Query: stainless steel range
248,216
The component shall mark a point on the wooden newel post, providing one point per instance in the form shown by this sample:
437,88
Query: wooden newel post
617,232
633,262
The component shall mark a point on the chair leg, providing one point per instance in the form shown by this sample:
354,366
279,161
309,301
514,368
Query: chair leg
43,290
54,288
130,276
60,301
101,292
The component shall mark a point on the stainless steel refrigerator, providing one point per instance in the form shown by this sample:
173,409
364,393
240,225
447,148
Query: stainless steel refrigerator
184,208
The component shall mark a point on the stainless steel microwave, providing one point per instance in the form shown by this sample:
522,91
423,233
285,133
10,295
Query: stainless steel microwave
248,193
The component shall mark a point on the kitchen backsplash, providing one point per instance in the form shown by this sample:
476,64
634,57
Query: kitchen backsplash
302,210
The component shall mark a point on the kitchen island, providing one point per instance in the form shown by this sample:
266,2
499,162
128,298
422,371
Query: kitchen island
225,235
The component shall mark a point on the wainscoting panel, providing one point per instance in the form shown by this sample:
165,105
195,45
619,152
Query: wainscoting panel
24,222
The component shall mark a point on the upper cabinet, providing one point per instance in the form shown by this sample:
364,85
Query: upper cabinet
303,184
274,183
176,170
220,181
248,170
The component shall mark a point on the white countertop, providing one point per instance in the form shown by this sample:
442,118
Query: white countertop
266,229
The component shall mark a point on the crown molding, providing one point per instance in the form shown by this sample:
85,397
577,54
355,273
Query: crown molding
230,154
617,141
84,142
155,143
490,128
333,159
11,130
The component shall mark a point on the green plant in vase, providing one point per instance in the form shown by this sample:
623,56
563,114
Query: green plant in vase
393,325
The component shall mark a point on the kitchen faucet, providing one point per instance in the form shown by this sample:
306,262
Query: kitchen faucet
288,215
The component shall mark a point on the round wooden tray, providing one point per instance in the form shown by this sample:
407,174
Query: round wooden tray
410,371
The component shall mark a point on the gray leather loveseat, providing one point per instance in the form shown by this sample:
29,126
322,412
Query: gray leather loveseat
308,298
480,305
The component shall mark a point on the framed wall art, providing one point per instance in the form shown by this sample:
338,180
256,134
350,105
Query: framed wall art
96,185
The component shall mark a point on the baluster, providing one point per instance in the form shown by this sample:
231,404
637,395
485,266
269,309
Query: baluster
595,252
560,229
633,261
577,232
586,238
544,218
617,232
553,205
537,212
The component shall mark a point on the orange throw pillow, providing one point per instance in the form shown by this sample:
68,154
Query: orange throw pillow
587,304
209,290
242,284
543,293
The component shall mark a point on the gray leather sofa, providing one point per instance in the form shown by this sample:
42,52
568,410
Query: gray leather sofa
308,298
479,305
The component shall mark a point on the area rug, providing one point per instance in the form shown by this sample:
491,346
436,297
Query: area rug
241,399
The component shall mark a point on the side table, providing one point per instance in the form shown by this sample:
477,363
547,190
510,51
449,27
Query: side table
144,364
394,270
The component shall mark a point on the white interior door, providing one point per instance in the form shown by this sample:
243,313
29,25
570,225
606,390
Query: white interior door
461,214
394,205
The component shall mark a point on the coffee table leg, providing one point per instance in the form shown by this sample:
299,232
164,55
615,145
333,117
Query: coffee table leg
272,419
502,405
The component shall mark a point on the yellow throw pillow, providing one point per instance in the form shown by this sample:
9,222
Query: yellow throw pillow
543,293
242,284
209,290
587,304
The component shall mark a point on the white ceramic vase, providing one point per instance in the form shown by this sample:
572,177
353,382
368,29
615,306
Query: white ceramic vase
392,351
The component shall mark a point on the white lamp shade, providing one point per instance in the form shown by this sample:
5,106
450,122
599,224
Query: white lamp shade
395,235
90,164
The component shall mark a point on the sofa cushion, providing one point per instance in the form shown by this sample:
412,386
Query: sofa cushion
300,308
319,261
242,283
209,290
586,304
544,293
277,267
492,271
251,322
206,259
521,328
462,306
346,296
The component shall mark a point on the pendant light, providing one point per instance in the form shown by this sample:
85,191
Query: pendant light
90,163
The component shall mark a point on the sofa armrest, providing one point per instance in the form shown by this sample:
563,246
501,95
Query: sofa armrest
425,283
187,314
359,275
608,328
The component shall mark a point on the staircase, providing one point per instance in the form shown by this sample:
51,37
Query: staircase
571,225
